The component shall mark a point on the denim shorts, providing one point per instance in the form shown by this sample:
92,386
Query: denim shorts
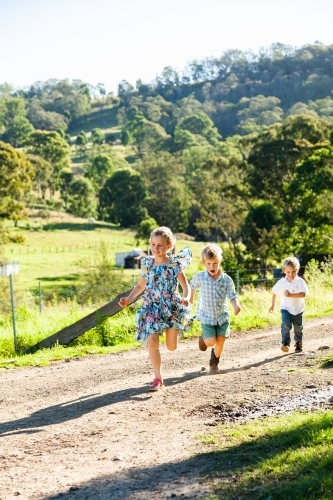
209,331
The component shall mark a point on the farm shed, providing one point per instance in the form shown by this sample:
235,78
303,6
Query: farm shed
130,260
133,259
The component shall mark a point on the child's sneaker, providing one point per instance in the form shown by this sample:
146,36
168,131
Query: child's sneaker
202,345
285,347
298,347
156,384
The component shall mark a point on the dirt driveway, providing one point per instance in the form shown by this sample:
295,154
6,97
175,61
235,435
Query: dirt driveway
88,428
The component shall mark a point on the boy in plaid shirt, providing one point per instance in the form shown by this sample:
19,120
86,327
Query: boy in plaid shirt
213,312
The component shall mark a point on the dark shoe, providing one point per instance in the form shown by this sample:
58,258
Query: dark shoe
202,345
213,363
298,347
285,347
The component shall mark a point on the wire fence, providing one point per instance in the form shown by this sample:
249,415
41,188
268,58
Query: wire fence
101,288
28,250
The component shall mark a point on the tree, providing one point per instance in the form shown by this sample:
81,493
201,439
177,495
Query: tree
311,202
16,176
145,229
101,89
70,99
218,199
122,199
66,177
276,152
82,198
53,148
13,118
200,124
43,173
125,90
97,136
45,120
146,136
81,140
100,170
260,230
167,200
125,137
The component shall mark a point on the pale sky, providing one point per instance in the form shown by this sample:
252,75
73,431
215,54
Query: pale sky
112,40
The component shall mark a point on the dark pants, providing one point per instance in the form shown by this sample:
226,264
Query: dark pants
289,321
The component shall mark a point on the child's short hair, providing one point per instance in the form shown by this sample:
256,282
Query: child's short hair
211,251
292,262
166,233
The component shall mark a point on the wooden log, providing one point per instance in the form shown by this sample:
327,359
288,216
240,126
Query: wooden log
81,326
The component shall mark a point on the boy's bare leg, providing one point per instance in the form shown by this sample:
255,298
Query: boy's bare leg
154,354
217,343
218,349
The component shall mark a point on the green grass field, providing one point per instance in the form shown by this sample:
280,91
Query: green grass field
58,251
276,458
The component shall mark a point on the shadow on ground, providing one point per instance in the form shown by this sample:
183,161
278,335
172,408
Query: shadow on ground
230,473
72,410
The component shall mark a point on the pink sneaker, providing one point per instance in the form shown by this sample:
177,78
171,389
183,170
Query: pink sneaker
156,384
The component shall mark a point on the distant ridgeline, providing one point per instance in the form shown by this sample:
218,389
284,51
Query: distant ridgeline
242,91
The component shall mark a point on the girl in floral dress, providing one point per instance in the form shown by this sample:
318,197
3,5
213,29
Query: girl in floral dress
163,309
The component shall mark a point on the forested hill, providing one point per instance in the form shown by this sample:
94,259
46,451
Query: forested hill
243,92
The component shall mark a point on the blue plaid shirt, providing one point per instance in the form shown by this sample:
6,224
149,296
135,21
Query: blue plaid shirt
213,306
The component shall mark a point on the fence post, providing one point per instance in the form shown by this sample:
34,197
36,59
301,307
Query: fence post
237,281
40,296
13,309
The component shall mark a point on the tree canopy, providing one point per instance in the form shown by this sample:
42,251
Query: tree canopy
16,175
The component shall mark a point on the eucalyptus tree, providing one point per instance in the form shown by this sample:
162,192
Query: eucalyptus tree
122,198
16,180
54,149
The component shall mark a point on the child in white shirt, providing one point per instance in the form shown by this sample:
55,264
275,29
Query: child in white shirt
293,290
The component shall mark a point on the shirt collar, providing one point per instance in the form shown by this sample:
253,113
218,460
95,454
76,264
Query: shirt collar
295,279
208,276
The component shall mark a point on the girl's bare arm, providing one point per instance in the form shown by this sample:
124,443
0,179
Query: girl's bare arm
186,288
137,290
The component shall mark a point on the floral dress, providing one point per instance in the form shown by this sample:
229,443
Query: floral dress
162,307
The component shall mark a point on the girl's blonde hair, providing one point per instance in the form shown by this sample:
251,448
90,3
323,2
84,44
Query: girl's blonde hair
292,262
212,251
166,233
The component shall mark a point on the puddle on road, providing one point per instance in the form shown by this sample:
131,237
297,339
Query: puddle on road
240,412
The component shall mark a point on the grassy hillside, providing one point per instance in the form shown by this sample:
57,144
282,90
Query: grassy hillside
103,117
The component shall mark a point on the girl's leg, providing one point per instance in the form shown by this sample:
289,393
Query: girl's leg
171,339
154,354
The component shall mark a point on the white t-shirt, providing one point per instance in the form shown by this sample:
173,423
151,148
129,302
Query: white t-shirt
294,306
